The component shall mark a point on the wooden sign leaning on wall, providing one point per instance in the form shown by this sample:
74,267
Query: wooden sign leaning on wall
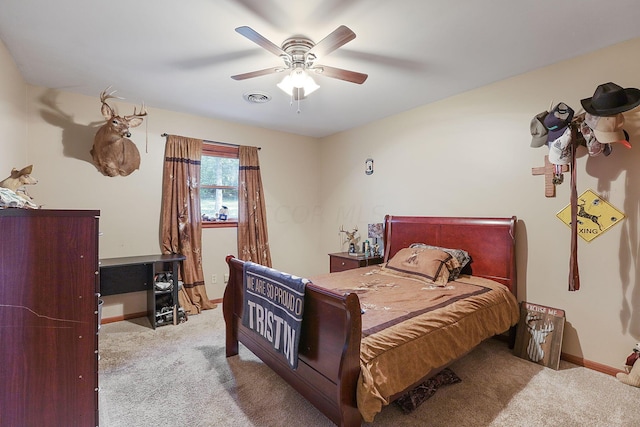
539,336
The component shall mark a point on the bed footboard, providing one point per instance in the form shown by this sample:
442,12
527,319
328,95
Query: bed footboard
329,351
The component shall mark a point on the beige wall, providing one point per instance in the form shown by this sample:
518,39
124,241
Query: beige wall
470,155
13,144
61,129
54,131
474,147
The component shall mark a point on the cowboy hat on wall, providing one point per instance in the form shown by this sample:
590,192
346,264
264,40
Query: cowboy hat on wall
610,99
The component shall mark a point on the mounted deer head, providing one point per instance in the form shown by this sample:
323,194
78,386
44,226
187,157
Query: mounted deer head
113,153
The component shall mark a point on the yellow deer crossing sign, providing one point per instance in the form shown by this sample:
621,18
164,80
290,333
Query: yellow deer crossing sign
595,216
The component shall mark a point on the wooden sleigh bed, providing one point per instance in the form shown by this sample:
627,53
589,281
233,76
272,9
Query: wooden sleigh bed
332,360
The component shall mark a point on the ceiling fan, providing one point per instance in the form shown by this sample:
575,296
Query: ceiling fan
299,54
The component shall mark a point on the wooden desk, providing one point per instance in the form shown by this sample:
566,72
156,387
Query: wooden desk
137,273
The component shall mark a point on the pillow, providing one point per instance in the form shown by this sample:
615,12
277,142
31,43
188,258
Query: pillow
426,265
461,255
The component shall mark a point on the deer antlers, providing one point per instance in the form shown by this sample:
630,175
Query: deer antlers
104,95
351,235
110,95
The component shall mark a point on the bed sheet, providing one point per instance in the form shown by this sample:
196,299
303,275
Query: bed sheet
410,327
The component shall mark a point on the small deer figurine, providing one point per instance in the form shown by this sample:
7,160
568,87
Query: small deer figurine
351,238
18,179
113,152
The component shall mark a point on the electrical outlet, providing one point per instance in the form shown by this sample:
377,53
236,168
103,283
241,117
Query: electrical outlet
214,278
226,277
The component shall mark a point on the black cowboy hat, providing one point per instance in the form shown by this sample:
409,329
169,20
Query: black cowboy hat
610,99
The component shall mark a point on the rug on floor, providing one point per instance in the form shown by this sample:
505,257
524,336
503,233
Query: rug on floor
409,401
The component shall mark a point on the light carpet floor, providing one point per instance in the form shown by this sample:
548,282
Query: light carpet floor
179,376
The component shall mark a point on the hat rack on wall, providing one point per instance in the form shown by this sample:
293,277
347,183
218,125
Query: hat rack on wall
597,128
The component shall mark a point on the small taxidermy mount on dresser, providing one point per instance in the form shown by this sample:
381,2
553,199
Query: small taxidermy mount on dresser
48,316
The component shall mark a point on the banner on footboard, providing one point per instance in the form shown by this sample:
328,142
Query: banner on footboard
273,307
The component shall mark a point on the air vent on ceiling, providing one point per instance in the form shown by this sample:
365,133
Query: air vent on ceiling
257,97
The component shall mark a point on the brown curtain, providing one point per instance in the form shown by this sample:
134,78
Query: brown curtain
181,219
253,239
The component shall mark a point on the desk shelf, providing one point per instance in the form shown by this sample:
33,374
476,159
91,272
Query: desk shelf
139,273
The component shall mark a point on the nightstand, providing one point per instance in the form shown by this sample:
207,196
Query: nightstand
343,261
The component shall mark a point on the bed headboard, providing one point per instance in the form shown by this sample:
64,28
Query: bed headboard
489,241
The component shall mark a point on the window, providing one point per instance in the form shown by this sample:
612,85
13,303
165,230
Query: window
219,185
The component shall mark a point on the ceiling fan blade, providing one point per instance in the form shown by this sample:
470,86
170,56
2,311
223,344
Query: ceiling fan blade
339,37
252,35
258,73
339,73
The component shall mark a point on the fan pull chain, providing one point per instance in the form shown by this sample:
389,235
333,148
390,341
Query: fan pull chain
292,99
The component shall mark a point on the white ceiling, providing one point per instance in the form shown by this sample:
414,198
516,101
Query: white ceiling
179,55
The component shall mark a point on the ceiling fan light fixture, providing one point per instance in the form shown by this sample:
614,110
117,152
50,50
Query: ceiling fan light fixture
310,86
298,78
299,55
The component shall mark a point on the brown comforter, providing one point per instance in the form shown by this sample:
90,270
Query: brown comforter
410,328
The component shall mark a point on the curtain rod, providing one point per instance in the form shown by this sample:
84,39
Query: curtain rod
215,142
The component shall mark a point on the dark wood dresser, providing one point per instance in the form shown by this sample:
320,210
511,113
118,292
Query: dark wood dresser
48,317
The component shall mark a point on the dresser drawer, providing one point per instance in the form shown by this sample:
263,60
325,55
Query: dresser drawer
341,264
343,261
